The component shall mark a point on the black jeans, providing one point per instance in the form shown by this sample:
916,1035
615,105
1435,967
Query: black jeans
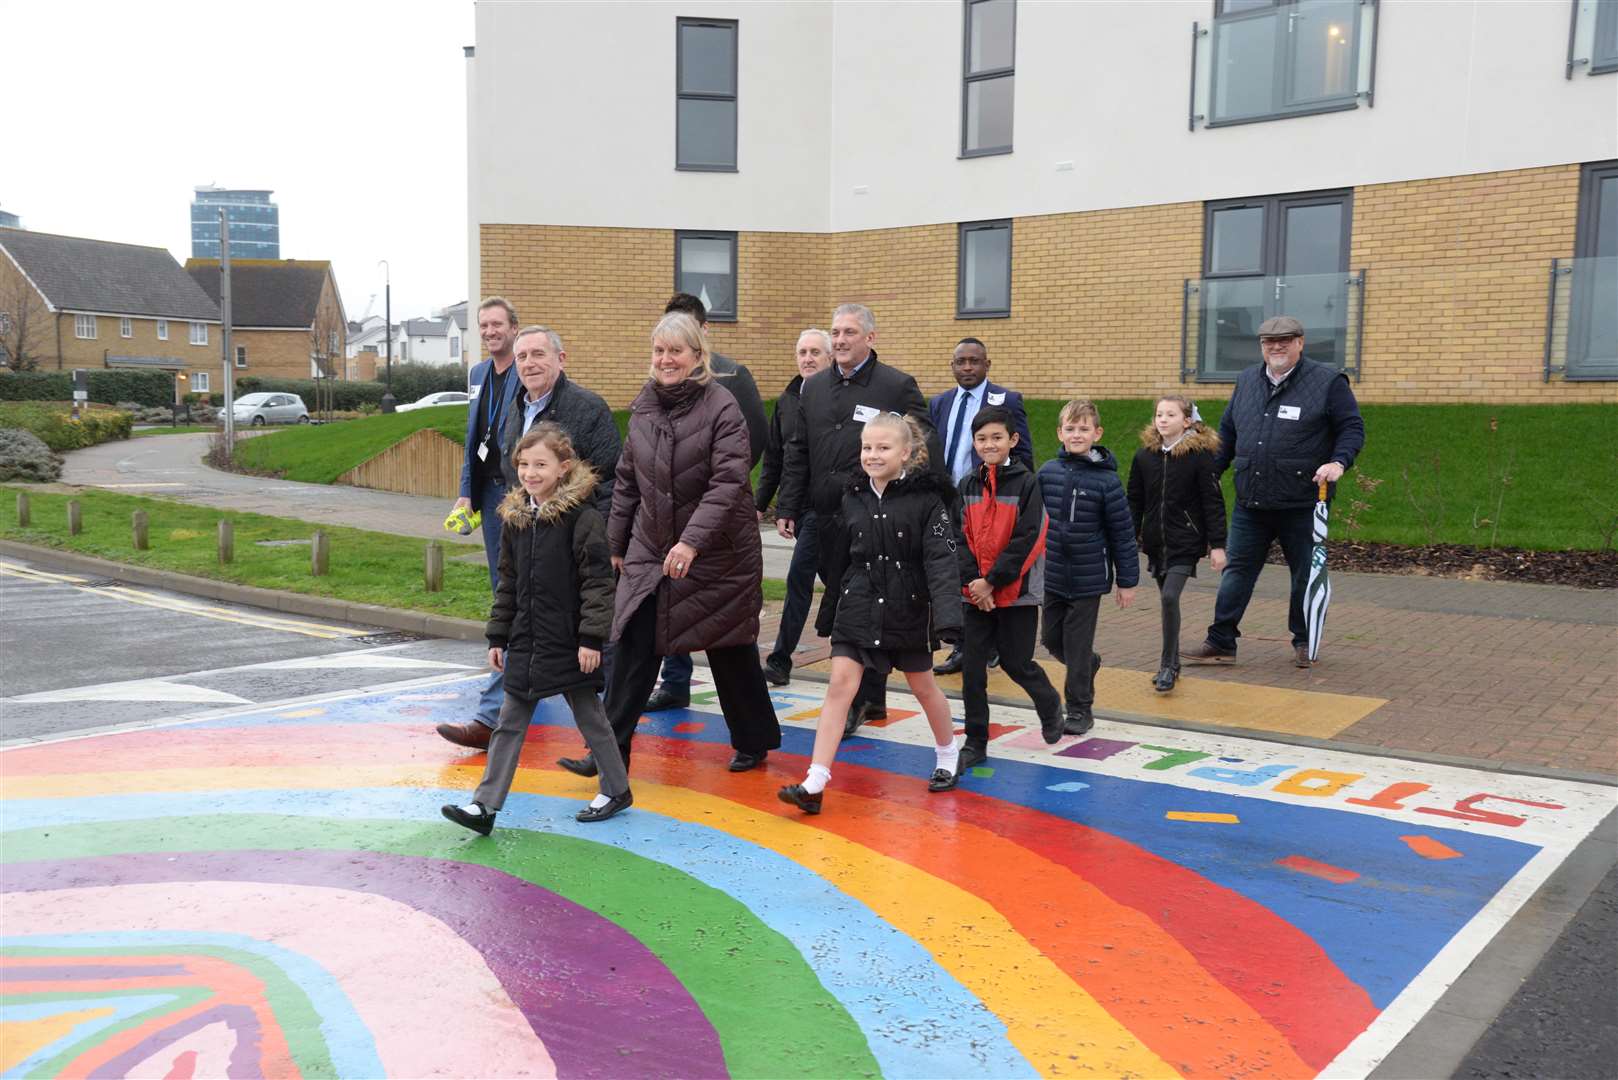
1246,545
800,592
1011,630
743,698
873,689
1070,635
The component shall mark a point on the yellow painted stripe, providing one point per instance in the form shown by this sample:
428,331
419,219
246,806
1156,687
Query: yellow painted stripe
1053,1021
14,570
1192,815
24,1038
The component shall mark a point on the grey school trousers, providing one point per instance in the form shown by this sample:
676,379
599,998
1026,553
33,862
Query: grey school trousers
505,744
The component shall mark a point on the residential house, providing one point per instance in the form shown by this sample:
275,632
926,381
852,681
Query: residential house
431,341
73,302
286,316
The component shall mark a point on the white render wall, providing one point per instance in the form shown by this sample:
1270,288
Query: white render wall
866,94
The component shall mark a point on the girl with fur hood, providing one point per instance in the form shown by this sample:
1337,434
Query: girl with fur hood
552,613
1179,512
892,594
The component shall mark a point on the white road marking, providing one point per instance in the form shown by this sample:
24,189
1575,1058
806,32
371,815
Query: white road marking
360,660
134,690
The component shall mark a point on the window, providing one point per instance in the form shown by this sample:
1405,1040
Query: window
705,267
199,333
1592,40
705,95
1276,255
988,71
84,326
454,347
983,271
199,382
331,343
1269,59
1592,336
125,329
241,356
162,329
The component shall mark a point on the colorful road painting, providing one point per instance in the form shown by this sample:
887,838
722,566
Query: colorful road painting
274,893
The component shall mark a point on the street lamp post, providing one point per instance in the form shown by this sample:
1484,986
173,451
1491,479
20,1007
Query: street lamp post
388,402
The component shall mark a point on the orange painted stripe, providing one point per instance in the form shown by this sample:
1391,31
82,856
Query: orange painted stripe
1429,847
1315,868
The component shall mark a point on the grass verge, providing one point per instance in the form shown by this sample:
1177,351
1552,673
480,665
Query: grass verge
366,567
183,429
320,453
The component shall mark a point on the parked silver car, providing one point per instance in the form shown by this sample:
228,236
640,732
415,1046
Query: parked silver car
443,397
269,408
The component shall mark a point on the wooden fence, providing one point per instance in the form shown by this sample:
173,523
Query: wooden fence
426,463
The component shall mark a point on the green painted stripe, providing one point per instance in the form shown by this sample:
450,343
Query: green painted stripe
294,1012
772,1015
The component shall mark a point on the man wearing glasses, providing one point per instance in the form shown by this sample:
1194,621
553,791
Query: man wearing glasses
1291,425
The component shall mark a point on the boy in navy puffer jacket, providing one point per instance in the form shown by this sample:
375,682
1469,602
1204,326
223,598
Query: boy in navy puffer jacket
1091,541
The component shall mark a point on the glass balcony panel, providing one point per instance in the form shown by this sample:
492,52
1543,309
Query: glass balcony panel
1244,67
1224,314
988,113
1584,328
1321,66
1321,303
990,45
1232,309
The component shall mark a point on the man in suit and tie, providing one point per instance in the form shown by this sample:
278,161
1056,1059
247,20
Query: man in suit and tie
951,413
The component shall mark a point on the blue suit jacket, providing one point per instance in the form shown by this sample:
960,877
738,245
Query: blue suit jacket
476,416
942,405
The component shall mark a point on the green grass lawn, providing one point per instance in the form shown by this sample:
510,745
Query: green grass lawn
183,429
320,453
366,567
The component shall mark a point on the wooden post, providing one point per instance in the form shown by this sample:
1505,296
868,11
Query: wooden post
137,522
75,523
227,541
435,567
319,555
24,517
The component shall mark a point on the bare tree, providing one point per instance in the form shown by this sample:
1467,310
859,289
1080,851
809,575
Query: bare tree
25,322
326,336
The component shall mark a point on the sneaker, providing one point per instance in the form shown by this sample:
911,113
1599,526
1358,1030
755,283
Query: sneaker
1077,723
665,698
973,753
1208,653
776,675
1300,656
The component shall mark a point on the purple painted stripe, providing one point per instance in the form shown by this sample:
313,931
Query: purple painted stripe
602,1004
245,1057
80,972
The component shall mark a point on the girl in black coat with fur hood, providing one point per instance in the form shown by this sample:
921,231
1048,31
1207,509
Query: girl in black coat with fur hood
1179,512
893,594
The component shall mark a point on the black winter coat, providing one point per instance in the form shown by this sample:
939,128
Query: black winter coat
823,457
1175,499
897,584
739,381
556,589
783,426
586,418
1091,533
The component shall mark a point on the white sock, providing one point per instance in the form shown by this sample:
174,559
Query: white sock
599,801
475,809
819,776
949,757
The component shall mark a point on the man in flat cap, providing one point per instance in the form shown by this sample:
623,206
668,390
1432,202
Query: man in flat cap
1291,424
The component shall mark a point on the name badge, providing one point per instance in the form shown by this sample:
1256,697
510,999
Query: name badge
862,413
483,451
995,399
474,394
1287,412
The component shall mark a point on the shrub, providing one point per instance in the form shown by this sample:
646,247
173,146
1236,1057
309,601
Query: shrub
106,385
24,457
53,423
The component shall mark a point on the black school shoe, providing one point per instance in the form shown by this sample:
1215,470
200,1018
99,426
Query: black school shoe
482,824
1078,723
664,698
743,761
797,796
579,766
973,753
1164,680
952,663
859,714
943,780
602,813
776,675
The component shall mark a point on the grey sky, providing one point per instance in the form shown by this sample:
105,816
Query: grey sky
353,111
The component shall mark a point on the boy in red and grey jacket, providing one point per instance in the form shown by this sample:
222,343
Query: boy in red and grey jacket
1003,571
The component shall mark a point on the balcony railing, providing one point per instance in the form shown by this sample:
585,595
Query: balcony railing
1294,59
1220,317
1581,319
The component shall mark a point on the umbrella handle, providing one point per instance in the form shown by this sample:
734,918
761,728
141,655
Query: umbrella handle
1323,491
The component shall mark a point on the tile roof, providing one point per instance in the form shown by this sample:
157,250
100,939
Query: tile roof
267,292
78,274
426,327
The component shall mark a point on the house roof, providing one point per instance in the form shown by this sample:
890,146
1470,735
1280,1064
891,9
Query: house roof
78,274
267,292
426,327
458,313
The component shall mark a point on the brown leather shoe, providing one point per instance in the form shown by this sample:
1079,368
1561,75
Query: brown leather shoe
1206,653
1300,656
472,735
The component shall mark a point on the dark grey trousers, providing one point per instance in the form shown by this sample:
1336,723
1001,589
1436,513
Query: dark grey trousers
1069,633
505,744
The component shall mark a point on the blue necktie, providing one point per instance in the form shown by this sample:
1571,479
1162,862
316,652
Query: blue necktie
962,399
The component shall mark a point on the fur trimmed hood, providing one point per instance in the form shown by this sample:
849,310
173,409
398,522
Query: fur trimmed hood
1200,437
519,511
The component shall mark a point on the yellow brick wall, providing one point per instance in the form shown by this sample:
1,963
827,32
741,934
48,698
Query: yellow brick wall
1454,310
91,352
274,354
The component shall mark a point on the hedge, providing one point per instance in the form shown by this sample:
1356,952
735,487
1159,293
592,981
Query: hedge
410,382
107,385
54,425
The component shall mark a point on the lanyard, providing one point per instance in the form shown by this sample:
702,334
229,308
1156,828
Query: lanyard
496,406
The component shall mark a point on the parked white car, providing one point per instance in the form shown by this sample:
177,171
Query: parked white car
443,397
269,408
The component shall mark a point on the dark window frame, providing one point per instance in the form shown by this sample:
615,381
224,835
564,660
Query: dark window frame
1581,303
968,77
1272,10
682,235
1606,24
734,26
1272,247
963,230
